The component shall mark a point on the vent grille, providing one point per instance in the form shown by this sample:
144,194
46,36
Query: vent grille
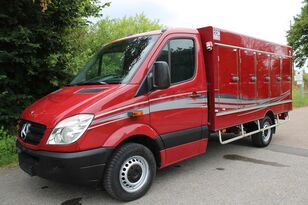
90,90
31,132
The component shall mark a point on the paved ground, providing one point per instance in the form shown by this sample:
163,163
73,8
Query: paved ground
227,174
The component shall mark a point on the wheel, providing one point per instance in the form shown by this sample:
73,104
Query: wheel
130,172
263,139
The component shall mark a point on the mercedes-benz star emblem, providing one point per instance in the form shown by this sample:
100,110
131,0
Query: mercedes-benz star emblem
25,130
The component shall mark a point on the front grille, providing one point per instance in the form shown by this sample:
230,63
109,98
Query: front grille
31,132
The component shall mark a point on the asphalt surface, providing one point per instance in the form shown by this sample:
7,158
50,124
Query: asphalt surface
227,174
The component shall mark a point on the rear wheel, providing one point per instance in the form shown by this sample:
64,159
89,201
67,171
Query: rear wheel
263,139
130,172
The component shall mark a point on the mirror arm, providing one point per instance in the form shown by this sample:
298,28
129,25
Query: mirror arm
150,82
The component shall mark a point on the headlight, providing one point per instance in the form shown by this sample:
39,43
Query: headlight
70,129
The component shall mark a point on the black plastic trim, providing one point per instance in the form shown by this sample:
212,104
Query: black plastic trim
84,167
35,133
144,87
90,90
159,143
184,136
205,131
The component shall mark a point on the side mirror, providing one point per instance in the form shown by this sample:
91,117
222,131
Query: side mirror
161,75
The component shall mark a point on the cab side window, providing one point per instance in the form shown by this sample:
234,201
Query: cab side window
180,56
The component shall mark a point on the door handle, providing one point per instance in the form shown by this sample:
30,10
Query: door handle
235,79
267,78
253,78
278,78
195,95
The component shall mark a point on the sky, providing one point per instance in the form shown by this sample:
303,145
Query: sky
265,19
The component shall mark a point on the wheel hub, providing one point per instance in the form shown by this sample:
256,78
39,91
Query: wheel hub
134,173
266,134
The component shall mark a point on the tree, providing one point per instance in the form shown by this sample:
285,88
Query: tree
298,36
87,41
33,49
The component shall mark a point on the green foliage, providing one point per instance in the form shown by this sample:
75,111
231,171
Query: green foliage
34,49
298,36
86,41
7,148
299,101
43,43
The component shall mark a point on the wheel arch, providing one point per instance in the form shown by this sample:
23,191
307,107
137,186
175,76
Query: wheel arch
271,115
254,125
154,145
137,133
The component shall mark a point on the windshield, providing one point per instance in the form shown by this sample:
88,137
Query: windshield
117,62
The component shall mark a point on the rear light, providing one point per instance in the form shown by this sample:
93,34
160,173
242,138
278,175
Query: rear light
283,116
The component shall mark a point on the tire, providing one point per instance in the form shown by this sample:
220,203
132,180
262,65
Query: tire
264,138
130,172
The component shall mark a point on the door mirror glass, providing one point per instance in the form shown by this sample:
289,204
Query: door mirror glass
161,75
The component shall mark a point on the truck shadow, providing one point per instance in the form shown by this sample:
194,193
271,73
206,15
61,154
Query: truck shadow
215,151
215,159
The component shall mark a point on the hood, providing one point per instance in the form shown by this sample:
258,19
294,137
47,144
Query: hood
66,102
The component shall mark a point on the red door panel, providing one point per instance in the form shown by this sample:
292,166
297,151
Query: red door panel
177,107
173,109
177,113
228,78
263,76
286,73
248,77
275,83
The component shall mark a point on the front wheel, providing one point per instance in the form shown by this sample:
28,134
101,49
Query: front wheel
130,172
263,138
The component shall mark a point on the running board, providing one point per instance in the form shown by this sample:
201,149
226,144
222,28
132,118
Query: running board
251,133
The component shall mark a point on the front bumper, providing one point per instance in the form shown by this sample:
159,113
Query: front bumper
85,167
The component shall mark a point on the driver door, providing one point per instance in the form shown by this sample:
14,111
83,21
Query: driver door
176,112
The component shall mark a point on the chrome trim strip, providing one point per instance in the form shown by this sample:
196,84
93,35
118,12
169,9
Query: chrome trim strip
155,107
252,108
177,104
121,108
107,123
144,102
253,50
176,95
169,96
120,115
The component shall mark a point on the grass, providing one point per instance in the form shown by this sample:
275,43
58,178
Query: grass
8,155
298,101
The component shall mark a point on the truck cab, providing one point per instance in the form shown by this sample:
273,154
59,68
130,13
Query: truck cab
140,104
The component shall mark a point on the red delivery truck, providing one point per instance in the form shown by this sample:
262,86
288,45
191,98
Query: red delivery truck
150,100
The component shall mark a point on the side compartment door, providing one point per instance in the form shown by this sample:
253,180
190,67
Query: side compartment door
248,86
229,78
263,77
275,83
286,75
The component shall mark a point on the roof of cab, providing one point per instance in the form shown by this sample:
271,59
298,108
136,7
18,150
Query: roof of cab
165,31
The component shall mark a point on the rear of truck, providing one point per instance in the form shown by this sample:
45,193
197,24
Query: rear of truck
248,80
